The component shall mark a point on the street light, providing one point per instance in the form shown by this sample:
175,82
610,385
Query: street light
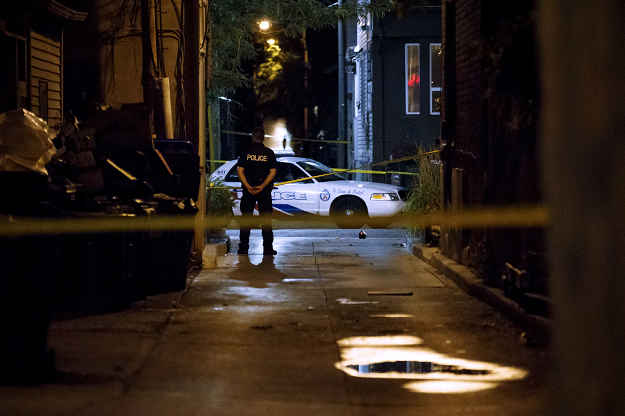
264,25
271,41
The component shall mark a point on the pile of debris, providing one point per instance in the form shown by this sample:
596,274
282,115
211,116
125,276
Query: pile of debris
108,168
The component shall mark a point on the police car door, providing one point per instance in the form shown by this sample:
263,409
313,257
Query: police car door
232,179
294,198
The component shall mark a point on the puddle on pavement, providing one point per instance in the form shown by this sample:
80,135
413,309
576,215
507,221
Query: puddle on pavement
344,301
420,367
402,357
393,315
296,280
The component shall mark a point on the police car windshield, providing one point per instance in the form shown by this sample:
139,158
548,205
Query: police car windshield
314,168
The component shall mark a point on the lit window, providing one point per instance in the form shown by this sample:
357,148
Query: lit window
436,77
413,79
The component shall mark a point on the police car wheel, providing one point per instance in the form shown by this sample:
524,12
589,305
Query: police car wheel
349,212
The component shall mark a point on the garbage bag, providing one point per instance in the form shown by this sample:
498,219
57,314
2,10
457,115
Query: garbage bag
25,142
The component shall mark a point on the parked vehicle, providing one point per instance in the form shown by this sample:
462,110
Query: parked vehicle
320,191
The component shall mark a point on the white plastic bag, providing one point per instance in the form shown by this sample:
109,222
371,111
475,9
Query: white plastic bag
25,142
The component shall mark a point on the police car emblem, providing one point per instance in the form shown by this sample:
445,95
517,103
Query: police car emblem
324,195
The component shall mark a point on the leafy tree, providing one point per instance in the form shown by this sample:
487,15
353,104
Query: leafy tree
270,75
234,23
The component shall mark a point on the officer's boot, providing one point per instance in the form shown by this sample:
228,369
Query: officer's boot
269,251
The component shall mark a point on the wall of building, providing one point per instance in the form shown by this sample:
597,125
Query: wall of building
363,120
394,130
45,78
489,112
469,96
105,60
31,69
381,126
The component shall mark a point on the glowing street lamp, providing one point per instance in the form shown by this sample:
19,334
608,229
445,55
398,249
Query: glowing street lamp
271,41
264,25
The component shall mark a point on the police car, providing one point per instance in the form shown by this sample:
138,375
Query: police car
348,203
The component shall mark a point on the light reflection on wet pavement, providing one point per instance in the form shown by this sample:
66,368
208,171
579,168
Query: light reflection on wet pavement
399,358
371,264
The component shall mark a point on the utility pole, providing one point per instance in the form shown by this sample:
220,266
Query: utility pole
340,147
195,103
208,76
306,70
202,114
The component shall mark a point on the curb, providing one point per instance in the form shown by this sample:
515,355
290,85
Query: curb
212,251
538,327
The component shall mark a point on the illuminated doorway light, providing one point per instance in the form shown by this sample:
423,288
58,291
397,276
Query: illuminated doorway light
277,136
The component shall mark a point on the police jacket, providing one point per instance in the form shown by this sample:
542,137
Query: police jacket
256,162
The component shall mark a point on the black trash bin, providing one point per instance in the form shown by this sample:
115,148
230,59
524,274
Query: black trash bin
102,272
26,306
170,251
27,268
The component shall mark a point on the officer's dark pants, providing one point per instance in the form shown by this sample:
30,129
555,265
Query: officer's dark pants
265,209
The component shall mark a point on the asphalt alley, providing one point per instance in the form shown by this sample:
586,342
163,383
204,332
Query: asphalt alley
332,325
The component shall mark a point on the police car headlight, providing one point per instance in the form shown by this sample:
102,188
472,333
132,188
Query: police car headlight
384,197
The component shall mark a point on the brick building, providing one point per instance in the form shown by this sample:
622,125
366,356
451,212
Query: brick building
489,124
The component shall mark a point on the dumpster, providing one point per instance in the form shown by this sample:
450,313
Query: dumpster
169,251
103,272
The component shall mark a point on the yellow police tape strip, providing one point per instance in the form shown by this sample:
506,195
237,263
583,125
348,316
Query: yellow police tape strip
238,133
504,217
375,172
346,170
368,166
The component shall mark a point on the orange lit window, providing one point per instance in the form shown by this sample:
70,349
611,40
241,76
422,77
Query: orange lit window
436,78
413,79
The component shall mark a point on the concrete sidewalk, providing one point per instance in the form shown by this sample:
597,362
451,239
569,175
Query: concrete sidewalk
538,328
330,326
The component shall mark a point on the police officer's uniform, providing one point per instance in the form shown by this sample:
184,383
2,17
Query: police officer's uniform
256,162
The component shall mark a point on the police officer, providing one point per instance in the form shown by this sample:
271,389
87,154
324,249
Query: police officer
257,170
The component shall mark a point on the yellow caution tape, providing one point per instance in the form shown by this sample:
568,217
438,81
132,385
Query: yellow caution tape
375,172
368,166
502,217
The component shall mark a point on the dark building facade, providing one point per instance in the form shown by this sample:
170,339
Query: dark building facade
397,83
406,55
31,57
489,125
